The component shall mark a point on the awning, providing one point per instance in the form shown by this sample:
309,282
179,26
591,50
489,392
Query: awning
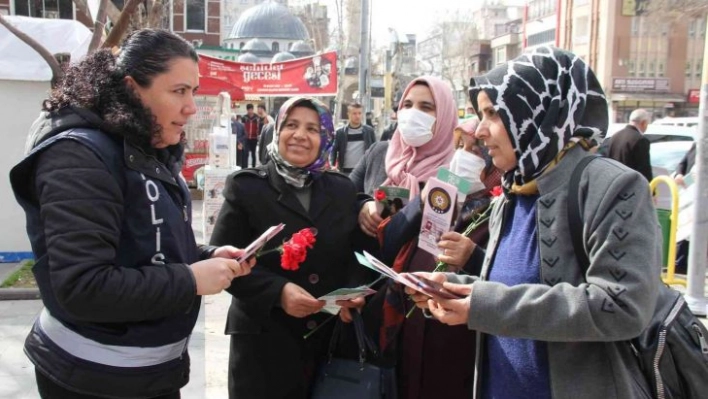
209,86
656,97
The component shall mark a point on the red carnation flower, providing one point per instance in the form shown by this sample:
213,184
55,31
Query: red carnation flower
496,191
380,195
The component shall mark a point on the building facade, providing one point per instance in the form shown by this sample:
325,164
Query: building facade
642,61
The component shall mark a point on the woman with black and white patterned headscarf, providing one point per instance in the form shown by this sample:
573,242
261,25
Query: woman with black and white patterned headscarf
547,328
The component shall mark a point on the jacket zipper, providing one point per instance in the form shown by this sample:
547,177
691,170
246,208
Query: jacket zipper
701,339
660,393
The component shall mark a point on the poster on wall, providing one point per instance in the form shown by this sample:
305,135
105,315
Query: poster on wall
312,76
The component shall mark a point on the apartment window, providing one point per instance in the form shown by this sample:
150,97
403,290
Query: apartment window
630,68
688,68
500,55
635,25
660,69
650,71
59,9
195,14
692,28
581,30
701,28
542,37
699,67
640,70
275,47
240,45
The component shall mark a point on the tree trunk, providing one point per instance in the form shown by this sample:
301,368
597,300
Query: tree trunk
98,27
57,72
116,34
156,12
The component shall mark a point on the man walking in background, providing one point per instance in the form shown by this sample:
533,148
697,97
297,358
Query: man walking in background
391,128
252,125
265,118
351,141
629,146
238,129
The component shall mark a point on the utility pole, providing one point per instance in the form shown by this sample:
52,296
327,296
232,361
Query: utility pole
698,252
364,56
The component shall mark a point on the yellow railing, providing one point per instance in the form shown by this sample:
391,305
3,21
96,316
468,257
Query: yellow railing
670,278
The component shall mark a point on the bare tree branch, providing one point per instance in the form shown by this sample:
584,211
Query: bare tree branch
98,27
57,72
156,12
120,27
675,9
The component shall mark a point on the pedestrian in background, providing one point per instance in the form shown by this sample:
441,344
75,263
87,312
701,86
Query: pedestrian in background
252,124
546,328
629,146
239,130
109,220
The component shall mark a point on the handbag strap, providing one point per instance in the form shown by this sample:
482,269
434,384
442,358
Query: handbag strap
575,221
364,343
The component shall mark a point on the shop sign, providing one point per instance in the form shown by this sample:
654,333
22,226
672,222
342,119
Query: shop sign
313,76
650,85
694,96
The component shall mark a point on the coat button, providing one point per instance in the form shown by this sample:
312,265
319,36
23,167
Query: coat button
157,170
314,278
262,173
311,325
131,158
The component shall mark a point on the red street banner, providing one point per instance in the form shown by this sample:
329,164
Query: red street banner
313,76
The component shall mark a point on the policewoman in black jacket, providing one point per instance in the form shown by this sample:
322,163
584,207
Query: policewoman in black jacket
272,308
109,220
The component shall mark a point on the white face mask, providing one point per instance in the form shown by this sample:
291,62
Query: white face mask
415,126
469,167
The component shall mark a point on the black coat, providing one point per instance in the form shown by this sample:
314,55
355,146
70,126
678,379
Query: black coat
630,147
686,164
269,358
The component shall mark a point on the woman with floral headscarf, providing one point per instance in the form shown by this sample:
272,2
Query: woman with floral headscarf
272,310
547,328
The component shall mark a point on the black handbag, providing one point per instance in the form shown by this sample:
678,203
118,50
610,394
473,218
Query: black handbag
343,378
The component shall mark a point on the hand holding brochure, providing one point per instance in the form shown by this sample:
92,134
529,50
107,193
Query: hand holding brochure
343,294
418,283
258,243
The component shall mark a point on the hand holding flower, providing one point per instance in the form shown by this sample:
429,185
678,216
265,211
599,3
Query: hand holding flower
456,249
294,251
352,305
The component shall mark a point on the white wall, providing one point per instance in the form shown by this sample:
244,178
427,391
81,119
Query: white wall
20,104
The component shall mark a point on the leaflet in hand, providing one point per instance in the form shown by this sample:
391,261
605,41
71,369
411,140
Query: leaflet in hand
418,283
259,242
343,294
437,214
390,199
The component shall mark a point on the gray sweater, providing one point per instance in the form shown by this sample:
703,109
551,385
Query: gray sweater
370,172
583,319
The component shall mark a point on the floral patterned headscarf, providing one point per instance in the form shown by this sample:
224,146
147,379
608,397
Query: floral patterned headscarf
293,175
545,98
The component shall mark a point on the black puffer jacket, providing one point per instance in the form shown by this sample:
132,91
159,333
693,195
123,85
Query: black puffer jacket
110,227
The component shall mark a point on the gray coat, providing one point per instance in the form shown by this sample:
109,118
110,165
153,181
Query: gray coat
370,172
580,317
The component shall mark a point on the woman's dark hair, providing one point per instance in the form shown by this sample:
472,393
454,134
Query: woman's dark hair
97,83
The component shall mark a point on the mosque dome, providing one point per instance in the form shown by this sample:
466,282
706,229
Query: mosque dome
255,46
282,56
248,57
269,20
302,48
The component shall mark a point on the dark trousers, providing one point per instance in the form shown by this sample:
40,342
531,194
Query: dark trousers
48,389
251,145
242,156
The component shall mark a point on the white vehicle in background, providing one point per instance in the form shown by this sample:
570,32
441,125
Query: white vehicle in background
690,121
660,133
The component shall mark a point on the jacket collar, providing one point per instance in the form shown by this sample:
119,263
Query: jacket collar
137,159
319,200
560,174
